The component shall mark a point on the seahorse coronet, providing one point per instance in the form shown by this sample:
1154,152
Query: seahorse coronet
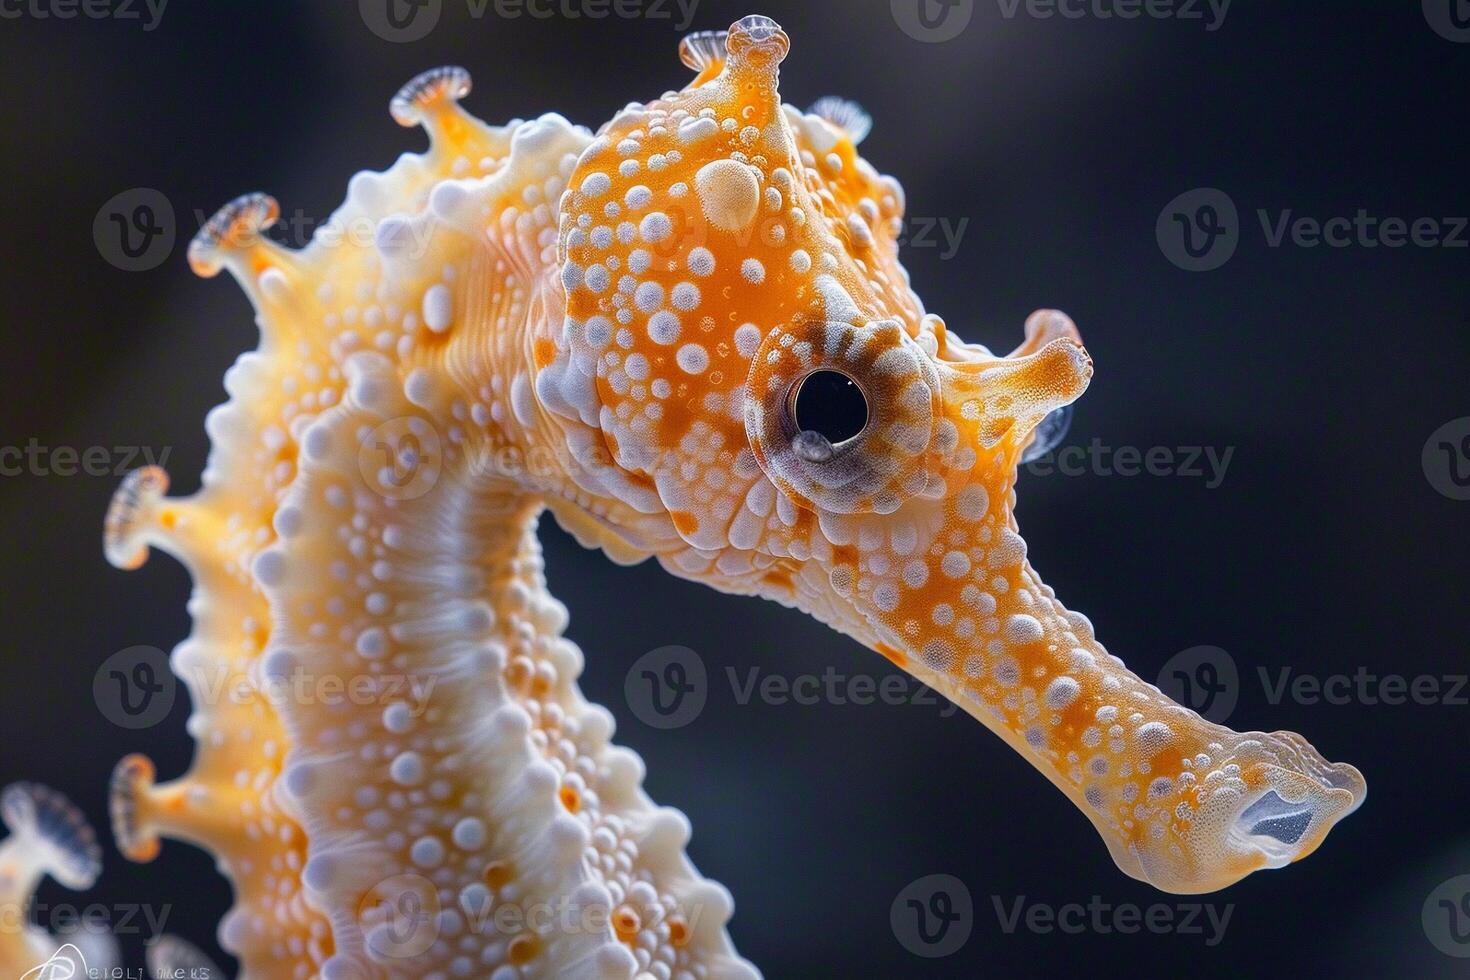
609,325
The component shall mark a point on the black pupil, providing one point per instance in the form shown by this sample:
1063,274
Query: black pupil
830,403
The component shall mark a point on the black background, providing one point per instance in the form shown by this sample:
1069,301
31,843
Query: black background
1059,141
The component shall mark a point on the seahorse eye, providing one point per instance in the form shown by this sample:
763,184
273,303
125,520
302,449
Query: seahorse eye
828,404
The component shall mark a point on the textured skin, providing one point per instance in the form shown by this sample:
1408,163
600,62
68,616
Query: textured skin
610,327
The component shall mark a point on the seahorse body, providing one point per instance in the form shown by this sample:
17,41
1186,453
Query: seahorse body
688,336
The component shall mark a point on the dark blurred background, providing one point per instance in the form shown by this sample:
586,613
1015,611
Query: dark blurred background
1049,147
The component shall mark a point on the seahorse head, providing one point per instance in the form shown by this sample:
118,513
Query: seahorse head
741,333
743,364
743,338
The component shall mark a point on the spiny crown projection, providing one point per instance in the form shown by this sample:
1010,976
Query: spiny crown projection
688,336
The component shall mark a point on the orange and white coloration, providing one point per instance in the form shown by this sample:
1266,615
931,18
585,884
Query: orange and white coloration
616,327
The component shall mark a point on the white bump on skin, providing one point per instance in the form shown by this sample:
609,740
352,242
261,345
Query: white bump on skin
955,564
747,339
1021,628
438,308
915,574
685,296
469,834
655,227
427,852
1061,692
937,656
973,502
701,262
663,327
648,297
728,193
693,358
1152,737
407,769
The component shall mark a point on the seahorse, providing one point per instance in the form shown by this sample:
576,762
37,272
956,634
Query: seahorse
688,337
